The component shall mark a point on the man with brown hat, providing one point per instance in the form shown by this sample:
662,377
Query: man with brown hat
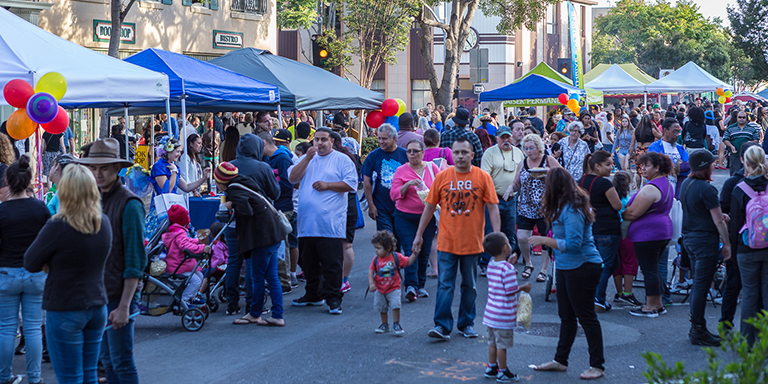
126,261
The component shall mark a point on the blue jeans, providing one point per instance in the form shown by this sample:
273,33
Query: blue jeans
264,265
74,338
608,147
754,287
18,286
608,246
666,295
117,349
704,251
508,216
407,224
232,277
449,265
385,221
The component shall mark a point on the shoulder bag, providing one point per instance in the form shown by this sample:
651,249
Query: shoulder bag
285,224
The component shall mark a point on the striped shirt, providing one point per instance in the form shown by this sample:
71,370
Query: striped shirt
501,308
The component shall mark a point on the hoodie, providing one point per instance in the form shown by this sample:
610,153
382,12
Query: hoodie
739,200
176,240
248,162
257,225
280,161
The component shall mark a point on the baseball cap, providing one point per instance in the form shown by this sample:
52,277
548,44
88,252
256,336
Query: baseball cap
700,159
283,135
503,130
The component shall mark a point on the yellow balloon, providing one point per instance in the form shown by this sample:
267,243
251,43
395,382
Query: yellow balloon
721,99
401,107
52,83
728,94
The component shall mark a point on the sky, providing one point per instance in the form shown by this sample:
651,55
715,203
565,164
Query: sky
709,8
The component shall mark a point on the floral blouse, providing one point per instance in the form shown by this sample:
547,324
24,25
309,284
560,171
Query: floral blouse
573,159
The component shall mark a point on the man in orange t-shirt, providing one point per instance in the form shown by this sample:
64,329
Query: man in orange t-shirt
463,192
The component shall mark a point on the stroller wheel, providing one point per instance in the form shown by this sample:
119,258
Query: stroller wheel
213,303
193,319
221,293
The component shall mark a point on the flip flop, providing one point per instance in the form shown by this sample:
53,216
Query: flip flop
527,271
551,366
275,322
541,277
592,374
247,319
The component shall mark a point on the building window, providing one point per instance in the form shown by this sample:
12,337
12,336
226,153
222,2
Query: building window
379,86
551,20
421,94
250,6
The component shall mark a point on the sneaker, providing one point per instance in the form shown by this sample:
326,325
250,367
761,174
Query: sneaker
399,331
601,307
13,380
411,294
629,299
383,328
197,299
639,312
294,281
303,302
439,332
483,270
334,309
287,290
617,298
491,372
469,332
506,376
345,287
662,311
423,292
301,277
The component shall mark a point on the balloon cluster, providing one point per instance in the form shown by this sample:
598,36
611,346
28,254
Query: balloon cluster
724,95
572,101
38,105
391,109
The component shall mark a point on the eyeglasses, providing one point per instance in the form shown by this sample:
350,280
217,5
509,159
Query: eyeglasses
504,163
412,151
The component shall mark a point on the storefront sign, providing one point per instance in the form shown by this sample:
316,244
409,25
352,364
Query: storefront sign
227,40
141,156
102,29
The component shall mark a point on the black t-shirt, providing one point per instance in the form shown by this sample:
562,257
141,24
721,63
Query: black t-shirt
52,141
717,124
694,135
594,132
20,222
698,197
606,218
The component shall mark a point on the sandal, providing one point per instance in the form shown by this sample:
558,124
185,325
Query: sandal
542,277
591,374
527,271
275,322
551,366
247,319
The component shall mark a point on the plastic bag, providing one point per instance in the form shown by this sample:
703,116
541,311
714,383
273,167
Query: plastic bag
524,310
138,181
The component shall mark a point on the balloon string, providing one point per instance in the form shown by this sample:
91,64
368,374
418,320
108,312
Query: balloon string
39,170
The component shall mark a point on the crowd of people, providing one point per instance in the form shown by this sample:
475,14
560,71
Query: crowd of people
450,194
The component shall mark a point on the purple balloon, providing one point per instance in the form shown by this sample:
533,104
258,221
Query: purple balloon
42,108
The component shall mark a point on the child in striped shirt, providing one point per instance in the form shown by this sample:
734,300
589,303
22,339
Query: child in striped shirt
501,309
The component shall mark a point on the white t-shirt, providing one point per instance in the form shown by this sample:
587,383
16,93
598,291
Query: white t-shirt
671,151
607,128
324,213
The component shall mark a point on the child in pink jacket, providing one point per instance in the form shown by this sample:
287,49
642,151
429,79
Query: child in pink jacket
176,240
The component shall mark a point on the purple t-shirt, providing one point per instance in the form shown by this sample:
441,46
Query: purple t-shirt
403,137
655,224
435,153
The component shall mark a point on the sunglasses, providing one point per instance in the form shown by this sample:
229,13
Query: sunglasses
412,151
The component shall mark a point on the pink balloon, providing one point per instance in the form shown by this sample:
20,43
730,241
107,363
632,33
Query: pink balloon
375,119
59,123
17,92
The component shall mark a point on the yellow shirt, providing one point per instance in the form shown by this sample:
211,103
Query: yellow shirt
495,162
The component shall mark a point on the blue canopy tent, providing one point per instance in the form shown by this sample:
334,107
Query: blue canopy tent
302,86
532,90
763,93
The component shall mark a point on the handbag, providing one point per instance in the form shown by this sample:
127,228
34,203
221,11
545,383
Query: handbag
285,224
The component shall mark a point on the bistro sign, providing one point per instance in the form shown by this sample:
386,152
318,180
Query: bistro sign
227,40
102,29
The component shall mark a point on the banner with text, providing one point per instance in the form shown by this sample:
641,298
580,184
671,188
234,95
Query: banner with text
573,31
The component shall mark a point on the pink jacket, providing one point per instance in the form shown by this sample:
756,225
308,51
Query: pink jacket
220,254
176,241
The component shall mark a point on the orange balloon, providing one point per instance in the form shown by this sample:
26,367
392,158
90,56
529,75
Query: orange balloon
20,126
573,105
720,92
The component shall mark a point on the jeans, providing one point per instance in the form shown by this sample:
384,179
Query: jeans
74,338
575,300
666,295
323,258
704,250
648,254
734,163
264,264
232,277
731,291
608,246
407,224
18,286
385,221
754,284
117,349
449,265
508,216
608,148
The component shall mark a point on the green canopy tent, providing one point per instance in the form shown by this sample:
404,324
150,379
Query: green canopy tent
629,68
593,96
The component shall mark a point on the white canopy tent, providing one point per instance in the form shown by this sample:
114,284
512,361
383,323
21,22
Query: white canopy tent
94,80
616,80
689,78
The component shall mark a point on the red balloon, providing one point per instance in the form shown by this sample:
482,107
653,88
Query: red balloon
390,107
17,92
375,119
727,100
59,123
563,98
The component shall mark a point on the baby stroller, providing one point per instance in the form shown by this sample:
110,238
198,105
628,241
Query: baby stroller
161,292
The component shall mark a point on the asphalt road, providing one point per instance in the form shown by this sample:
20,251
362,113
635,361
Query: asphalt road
316,347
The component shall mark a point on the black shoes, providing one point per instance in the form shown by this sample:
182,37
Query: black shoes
700,335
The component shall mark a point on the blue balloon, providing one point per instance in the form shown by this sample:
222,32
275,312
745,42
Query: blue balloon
394,120
574,96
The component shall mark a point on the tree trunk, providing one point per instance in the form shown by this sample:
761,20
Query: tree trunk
117,15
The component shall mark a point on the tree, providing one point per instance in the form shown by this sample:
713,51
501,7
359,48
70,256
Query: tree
293,14
118,12
749,24
513,14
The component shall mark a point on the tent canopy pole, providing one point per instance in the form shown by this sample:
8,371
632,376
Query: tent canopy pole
127,151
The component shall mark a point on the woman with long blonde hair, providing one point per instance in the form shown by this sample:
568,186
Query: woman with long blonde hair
74,245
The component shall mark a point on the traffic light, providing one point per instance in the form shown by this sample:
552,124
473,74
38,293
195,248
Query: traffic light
320,55
564,66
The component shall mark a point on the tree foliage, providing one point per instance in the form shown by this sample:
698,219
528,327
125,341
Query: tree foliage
515,13
292,14
662,35
749,24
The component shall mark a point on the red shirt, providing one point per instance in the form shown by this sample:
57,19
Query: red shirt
388,278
